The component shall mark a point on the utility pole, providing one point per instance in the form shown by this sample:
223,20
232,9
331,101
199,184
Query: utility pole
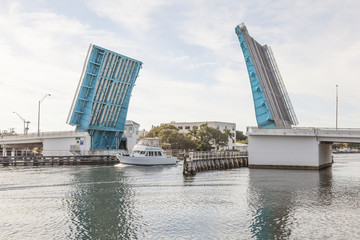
26,123
39,112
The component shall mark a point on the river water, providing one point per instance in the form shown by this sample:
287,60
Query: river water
108,202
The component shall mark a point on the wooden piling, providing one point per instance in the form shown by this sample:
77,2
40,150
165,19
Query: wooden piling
206,161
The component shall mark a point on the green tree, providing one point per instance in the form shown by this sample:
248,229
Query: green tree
170,136
354,145
192,132
201,139
229,134
186,142
207,136
240,136
154,132
338,145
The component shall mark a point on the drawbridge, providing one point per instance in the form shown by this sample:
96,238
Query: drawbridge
272,104
275,143
102,97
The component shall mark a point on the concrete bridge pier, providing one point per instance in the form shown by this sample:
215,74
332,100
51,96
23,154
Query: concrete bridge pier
4,152
13,151
296,148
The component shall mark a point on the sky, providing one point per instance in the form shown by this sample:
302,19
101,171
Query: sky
193,67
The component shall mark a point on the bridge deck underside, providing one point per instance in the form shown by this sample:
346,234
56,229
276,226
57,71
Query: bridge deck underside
339,139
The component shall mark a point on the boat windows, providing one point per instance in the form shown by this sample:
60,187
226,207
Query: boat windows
157,154
152,153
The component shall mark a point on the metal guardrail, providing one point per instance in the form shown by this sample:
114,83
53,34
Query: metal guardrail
42,134
306,131
305,128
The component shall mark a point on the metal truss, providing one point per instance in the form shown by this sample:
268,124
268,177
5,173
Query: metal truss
103,95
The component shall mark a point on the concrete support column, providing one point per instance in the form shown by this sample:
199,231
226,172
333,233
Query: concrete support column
325,154
4,152
13,151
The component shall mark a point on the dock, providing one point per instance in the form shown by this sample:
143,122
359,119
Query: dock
206,161
58,160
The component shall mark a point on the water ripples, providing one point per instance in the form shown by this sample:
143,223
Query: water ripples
107,202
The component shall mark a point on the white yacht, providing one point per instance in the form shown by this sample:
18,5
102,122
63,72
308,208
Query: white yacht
147,152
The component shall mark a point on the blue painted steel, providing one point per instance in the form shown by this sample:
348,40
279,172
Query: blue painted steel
262,111
103,95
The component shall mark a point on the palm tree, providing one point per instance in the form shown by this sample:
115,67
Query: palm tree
227,132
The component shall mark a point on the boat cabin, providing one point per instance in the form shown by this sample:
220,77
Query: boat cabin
150,153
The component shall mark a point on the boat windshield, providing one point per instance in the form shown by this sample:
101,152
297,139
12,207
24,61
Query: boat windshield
152,142
139,152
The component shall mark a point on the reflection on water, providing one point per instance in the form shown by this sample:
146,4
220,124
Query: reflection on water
100,205
275,195
107,202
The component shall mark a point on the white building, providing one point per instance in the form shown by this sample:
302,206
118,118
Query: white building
131,133
186,126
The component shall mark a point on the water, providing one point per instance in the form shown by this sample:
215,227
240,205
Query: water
107,202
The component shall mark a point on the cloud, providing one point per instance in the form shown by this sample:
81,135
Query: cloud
211,24
307,51
174,59
43,52
157,100
193,68
200,65
135,15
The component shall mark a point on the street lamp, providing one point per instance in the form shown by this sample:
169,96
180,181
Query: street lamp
26,128
39,112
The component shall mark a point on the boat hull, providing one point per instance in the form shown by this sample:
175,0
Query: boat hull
147,161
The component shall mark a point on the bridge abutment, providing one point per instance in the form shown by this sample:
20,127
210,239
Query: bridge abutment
288,149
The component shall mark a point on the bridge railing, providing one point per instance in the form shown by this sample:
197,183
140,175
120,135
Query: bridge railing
43,134
306,131
194,156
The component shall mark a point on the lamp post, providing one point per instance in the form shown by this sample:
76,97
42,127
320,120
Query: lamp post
39,112
26,127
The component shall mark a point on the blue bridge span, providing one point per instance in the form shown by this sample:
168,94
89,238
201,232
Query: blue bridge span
272,104
102,98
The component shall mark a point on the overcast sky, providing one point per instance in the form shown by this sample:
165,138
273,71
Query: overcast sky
193,66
